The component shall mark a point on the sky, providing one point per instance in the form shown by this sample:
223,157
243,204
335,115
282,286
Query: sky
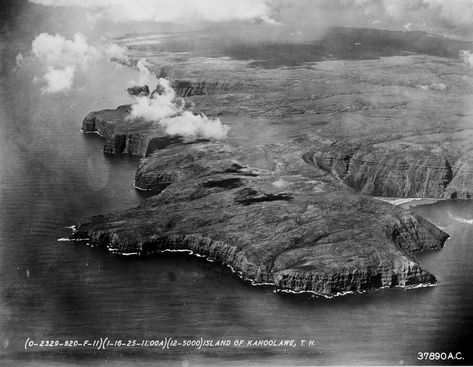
450,17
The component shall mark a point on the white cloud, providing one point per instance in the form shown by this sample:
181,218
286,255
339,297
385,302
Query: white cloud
114,50
451,13
170,111
455,12
146,77
62,57
93,17
170,10
441,16
466,56
159,107
189,124
58,80
19,59
58,51
395,8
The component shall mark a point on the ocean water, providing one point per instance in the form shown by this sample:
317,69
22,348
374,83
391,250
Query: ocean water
52,176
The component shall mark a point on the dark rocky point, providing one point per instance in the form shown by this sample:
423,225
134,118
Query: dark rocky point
138,91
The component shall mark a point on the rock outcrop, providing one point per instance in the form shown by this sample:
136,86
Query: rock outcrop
286,199
122,135
138,90
188,88
302,232
381,170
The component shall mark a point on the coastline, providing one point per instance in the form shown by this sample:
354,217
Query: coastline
407,203
250,281
326,196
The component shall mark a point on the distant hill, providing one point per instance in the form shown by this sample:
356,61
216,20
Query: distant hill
341,43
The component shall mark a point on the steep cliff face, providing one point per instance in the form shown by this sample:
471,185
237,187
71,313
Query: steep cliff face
180,162
404,173
286,199
120,134
105,122
268,226
461,185
354,280
188,88
258,263
414,234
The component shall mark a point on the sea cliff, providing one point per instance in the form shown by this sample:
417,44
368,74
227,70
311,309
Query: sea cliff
287,198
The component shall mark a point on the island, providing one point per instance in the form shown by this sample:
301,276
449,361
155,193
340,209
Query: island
297,196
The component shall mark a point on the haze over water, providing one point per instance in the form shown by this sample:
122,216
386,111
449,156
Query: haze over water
52,176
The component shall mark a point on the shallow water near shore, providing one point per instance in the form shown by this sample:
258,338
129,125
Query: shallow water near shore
52,176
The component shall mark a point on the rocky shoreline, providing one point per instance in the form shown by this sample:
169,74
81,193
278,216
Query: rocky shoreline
290,198
294,227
